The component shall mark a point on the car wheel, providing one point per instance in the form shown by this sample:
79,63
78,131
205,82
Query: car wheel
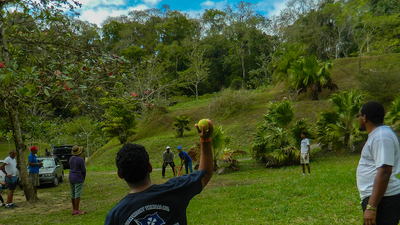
55,182
62,177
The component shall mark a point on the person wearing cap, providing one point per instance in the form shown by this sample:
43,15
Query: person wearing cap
148,203
168,158
34,168
77,175
377,169
185,159
9,168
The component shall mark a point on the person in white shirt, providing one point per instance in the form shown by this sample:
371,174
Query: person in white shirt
9,168
377,169
305,153
168,158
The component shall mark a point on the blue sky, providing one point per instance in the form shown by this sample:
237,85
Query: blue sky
95,11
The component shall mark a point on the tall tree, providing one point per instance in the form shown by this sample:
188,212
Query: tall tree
43,62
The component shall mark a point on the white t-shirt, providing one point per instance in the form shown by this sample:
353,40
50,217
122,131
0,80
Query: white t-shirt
381,148
304,145
11,167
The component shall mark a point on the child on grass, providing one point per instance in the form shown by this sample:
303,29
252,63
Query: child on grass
1,192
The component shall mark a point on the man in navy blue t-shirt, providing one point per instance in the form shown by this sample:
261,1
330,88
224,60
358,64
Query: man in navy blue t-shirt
149,203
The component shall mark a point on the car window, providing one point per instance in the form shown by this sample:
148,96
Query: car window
48,163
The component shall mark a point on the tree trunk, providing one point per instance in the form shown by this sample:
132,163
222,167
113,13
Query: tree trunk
314,91
3,37
20,146
244,71
359,58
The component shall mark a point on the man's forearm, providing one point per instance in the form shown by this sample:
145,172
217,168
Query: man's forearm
206,162
381,182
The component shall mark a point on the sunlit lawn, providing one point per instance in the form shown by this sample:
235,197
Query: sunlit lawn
254,195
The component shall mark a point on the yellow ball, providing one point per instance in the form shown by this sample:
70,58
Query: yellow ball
205,123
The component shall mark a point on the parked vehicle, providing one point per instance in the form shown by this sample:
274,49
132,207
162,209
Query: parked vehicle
51,171
63,152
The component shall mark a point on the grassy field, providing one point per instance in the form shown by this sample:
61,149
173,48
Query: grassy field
253,195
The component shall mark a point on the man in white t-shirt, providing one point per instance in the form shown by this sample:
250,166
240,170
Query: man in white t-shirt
9,168
305,153
376,172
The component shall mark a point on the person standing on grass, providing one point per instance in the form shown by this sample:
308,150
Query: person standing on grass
168,158
149,203
34,168
305,153
1,192
77,175
377,169
9,168
185,159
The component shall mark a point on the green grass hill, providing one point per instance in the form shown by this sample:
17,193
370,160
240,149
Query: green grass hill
155,130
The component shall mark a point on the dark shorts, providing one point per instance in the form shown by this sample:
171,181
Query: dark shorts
388,210
12,182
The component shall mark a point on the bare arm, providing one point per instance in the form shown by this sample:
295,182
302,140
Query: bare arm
206,159
308,151
33,164
3,168
380,185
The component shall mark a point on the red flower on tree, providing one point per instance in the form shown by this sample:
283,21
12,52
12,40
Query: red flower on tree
66,86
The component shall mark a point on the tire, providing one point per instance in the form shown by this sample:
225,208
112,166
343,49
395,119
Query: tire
55,182
62,177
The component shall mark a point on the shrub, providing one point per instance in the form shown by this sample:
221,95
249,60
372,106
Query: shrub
230,102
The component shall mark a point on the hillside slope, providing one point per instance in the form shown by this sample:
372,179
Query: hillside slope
155,131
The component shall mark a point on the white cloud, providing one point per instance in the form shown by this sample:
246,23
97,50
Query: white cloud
99,14
206,5
101,3
151,2
271,8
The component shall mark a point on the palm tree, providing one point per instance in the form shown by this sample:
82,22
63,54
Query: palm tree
181,124
393,114
218,140
310,72
283,58
280,113
337,126
271,134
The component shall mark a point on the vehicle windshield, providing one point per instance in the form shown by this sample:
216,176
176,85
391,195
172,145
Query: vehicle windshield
48,163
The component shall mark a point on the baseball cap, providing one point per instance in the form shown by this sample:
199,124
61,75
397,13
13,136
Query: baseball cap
168,147
34,148
179,147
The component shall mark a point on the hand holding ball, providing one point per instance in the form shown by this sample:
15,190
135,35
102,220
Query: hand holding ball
205,123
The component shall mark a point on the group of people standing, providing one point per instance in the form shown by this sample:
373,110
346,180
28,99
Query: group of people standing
77,175
168,159
166,203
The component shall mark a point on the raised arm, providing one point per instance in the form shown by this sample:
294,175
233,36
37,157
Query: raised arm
206,158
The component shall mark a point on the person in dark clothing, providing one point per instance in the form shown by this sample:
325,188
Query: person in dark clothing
77,175
47,153
149,203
